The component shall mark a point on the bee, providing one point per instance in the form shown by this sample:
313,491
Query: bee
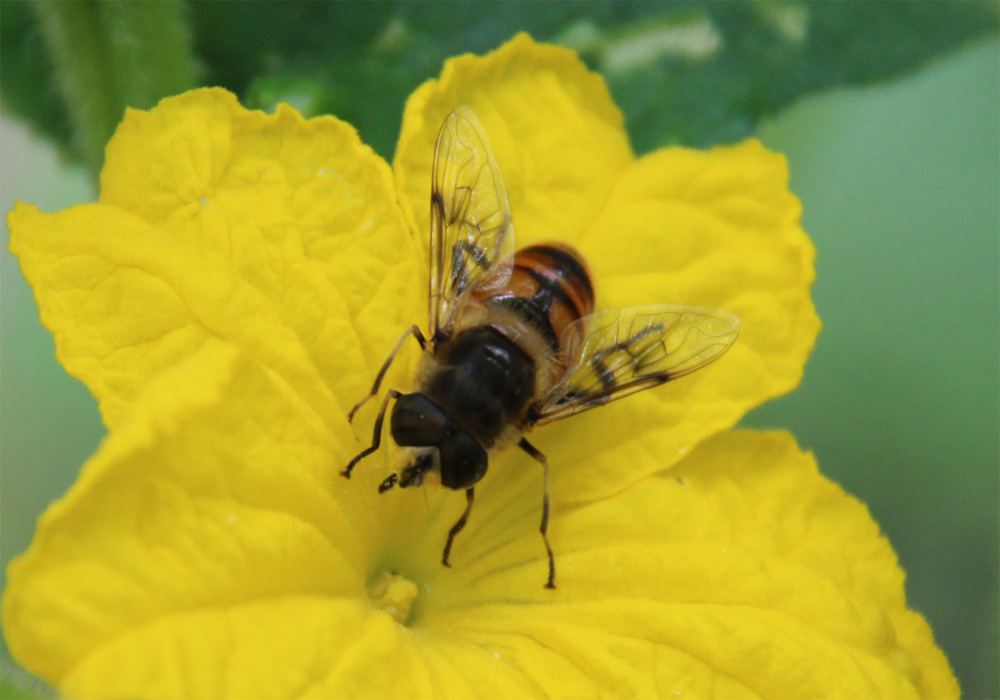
515,342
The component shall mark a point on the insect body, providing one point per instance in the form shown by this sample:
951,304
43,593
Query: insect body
514,339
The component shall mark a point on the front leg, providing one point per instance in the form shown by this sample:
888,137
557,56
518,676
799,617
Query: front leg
376,437
413,330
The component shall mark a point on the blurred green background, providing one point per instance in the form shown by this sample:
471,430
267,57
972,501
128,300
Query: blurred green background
900,186
900,183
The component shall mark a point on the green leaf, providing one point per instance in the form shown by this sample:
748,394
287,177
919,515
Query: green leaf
103,56
722,69
28,88
695,73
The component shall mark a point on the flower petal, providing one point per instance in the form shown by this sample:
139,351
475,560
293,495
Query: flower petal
125,300
220,653
208,511
742,572
267,230
557,136
717,229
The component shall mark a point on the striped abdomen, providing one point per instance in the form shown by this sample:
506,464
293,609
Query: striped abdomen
549,289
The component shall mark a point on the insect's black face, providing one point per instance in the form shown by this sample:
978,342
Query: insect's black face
463,460
419,422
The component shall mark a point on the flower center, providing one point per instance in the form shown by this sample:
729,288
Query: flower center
394,594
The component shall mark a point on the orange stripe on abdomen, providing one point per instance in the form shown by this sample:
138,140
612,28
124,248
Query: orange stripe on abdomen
550,288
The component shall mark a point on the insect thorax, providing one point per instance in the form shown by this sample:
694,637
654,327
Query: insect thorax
483,380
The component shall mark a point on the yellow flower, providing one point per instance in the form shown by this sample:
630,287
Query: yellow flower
234,291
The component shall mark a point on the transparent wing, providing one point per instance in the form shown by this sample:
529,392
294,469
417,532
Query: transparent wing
629,350
472,240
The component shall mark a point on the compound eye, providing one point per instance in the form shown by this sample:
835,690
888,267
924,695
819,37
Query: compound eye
463,461
417,421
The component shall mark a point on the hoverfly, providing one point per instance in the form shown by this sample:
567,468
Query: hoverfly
515,342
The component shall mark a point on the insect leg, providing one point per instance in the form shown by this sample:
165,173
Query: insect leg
470,496
413,330
544,529
376,437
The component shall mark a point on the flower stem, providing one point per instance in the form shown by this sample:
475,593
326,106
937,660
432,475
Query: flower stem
109,55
